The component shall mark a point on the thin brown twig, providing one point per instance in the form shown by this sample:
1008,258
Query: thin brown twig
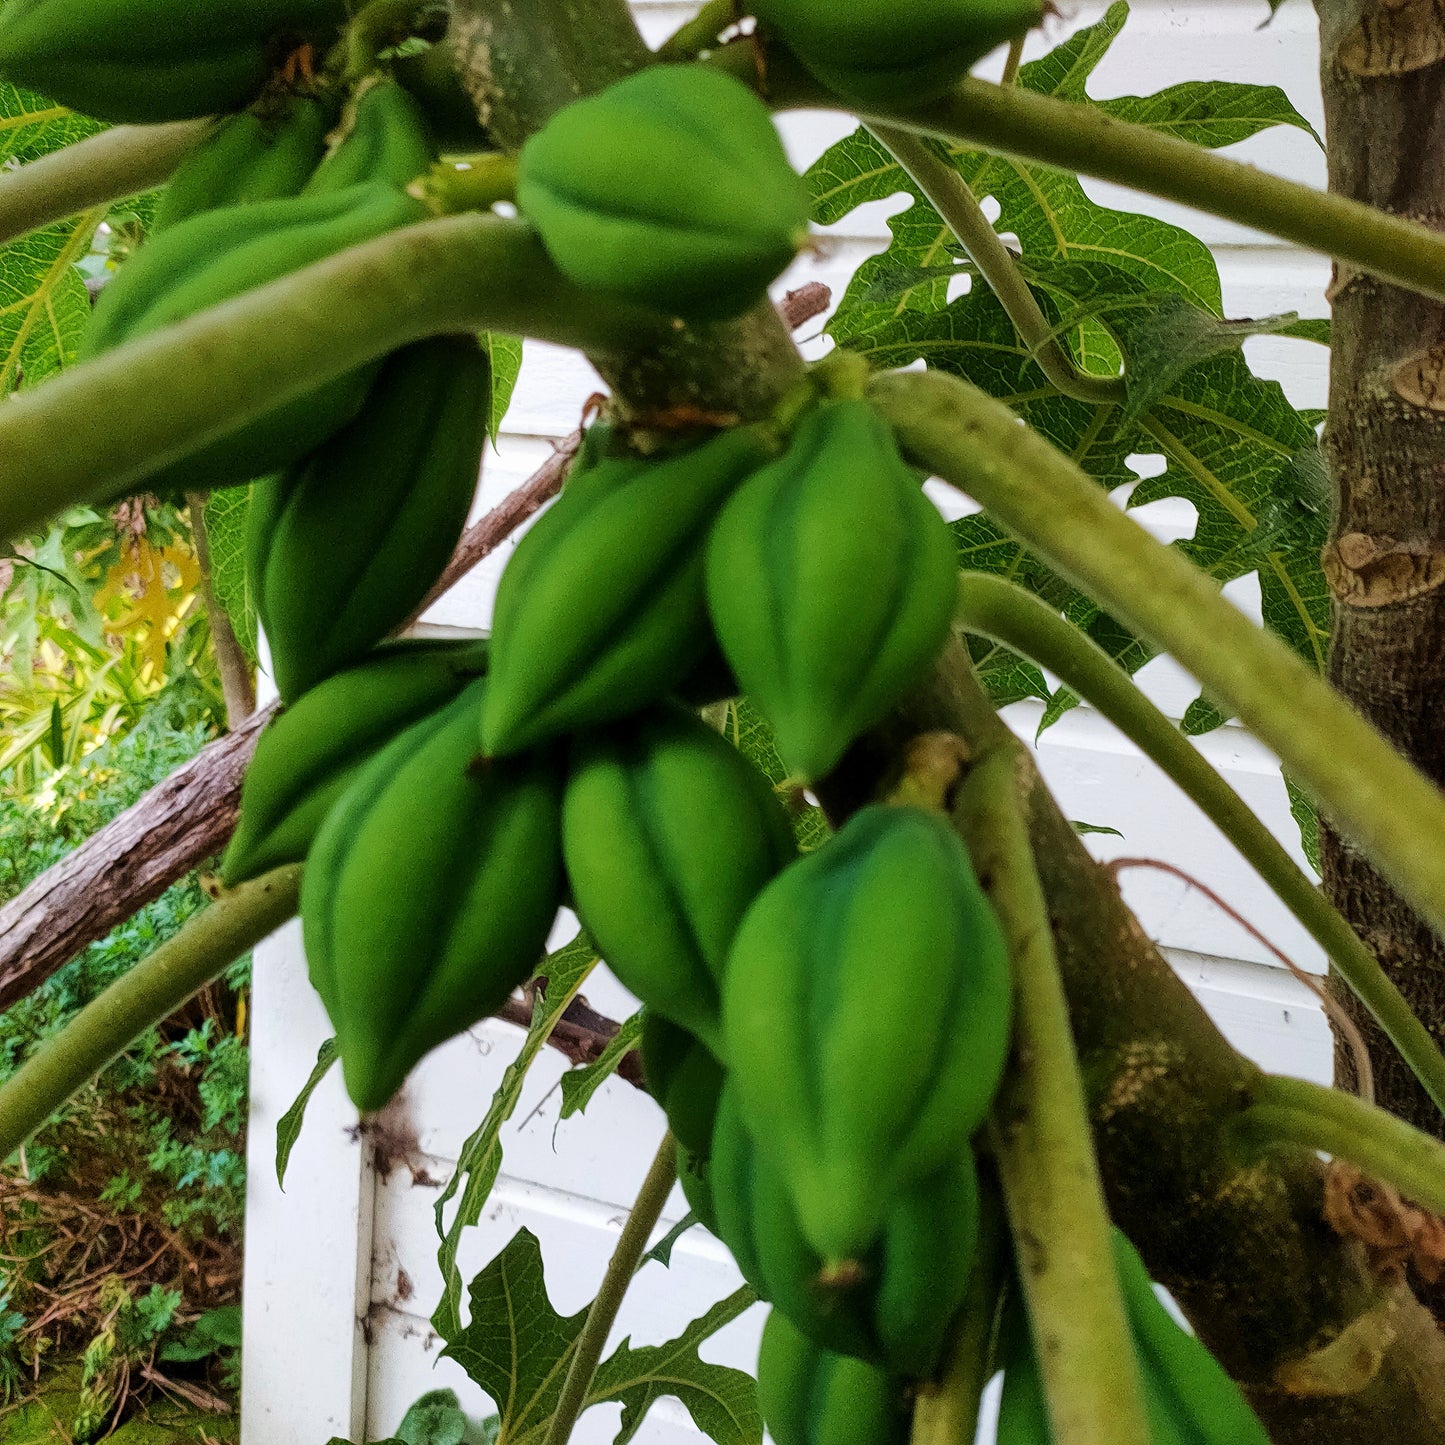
1354,1039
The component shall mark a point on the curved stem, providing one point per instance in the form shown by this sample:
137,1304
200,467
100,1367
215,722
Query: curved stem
950,196
1043,1144
700,34
1374,796
1083,139
95,430
998,609
155,988
1291,1111
587,1353
119,162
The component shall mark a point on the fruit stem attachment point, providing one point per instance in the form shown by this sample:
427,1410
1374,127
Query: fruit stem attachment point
587,1353
1040,1134
699,35
472,183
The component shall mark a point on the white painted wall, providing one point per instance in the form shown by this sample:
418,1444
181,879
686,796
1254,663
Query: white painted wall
341,1270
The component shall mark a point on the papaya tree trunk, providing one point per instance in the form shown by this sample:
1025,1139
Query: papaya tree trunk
1384,89
1243,1245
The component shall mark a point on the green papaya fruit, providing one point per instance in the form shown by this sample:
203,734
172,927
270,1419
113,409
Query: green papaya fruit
811,1396
263,154
433,81
693,1174
893,1305
601,608
831,581
308,754
684,1078
429,894
669,833
879,946
221,254
908,52
342,547
670,189
1206,1406
384,137
156,60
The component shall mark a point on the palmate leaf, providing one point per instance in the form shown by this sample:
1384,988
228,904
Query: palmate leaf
518,1348
480,1162
226,511
580,1084
1118,287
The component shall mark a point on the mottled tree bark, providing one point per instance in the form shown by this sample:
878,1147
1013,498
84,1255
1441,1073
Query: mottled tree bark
1384,89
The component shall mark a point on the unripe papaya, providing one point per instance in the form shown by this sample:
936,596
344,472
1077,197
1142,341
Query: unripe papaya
384,138
429,894
219,255
866,1019
264,154
893,1305
670,189
811,1396
669,833
310,752
831,580
1204,1404
155,60
907,52
693,1173
343,546
684,1078
601,608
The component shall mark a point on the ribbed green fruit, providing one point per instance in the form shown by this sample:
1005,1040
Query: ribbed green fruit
879,946
1206,1406
309,753
263,154
894,1304
831,581
693,1175
810,1396
384,137
343,546
601,608
669,833
671,189
684,1078
907,52
428,895
155,60
221,254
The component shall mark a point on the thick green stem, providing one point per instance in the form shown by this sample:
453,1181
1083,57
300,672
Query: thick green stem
1003,611
476,183
587,1353
1082,139
116,163
1042,1141
947,1413
97,429
949,194
1293,1112
700,34
154,989
1373,794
